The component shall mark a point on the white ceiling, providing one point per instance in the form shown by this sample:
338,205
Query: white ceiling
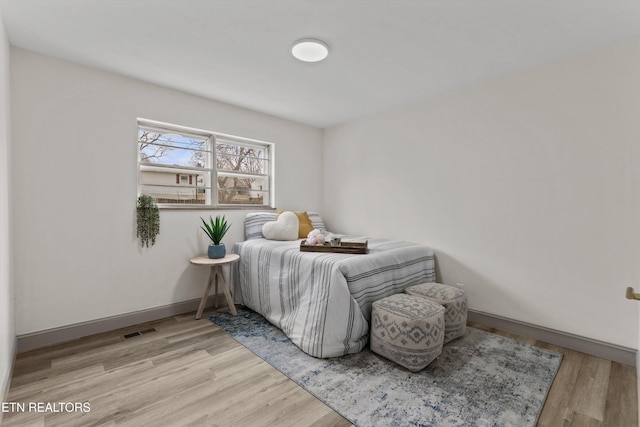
383,53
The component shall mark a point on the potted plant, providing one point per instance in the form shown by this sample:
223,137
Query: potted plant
148,220
216,229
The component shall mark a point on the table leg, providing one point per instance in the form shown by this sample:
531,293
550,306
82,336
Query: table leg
215,289
203,301
227,292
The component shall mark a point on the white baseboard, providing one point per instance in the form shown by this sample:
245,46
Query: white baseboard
589,346
62,334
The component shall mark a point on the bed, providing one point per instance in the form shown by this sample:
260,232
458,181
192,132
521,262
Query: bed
322,301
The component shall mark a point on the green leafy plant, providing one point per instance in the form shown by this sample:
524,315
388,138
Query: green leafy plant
148,220
215,229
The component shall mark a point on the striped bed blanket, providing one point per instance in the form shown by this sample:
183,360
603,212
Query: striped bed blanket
322,301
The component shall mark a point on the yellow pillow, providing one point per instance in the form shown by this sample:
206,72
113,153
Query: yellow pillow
305,226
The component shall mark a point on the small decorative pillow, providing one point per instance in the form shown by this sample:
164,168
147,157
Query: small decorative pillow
305,226
284,228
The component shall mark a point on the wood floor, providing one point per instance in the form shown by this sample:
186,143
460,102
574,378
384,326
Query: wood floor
187,372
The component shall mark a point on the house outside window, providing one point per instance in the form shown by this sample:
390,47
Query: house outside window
189,167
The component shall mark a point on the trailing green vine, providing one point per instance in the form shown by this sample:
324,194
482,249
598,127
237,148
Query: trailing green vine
148,219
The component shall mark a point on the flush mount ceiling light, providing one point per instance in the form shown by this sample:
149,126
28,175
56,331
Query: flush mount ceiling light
310,50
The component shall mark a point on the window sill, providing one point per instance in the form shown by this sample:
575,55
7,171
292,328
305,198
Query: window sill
167,207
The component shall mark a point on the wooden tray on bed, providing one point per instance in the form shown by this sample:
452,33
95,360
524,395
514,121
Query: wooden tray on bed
344,248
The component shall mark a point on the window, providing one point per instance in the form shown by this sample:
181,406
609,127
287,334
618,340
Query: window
180,166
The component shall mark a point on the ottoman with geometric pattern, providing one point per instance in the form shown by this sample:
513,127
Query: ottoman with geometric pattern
454,301
407,330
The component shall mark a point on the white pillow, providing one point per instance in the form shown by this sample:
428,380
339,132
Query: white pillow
284,228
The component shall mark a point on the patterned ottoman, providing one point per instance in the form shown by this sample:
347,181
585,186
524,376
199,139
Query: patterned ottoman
407,330
454,301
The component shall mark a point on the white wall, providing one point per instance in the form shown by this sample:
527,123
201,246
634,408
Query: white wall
74,128
7,300
526,187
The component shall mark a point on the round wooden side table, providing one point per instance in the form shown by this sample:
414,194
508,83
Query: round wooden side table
217,277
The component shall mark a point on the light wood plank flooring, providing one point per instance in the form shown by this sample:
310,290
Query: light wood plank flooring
189,373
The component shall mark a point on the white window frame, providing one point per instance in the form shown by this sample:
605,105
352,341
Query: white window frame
210,169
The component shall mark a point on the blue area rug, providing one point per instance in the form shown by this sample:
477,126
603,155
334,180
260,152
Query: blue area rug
480,379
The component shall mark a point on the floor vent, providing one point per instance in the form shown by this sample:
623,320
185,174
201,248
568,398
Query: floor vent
135,334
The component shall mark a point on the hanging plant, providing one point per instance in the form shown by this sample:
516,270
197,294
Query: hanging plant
148,218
